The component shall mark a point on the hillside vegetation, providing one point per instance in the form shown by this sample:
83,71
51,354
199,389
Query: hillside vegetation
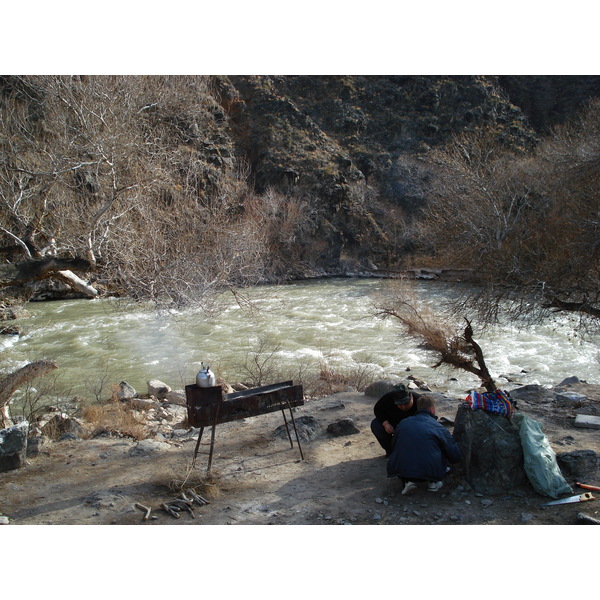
174,186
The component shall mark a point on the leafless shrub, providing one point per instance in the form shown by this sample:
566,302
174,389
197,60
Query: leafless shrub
129,172
451,346
525,226
41,395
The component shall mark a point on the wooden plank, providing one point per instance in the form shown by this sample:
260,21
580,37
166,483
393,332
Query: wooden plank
587,422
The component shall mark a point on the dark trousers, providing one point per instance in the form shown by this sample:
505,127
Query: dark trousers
385,439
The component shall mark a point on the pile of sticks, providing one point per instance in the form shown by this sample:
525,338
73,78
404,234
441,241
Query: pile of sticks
182,503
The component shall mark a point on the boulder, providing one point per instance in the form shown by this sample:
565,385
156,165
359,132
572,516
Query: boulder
570,400
532,394
35,445
176,398
344,426
579,464
307,429
381,387
13,446
158,389
569,381
56,425
492,452
124,391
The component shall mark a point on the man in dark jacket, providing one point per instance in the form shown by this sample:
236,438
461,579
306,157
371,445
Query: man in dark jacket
390,409
422,449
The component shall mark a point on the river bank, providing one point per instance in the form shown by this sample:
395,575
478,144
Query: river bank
258,479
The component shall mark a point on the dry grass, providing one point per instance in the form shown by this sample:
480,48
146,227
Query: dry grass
196,478
116,418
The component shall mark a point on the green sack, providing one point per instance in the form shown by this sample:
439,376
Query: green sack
540,460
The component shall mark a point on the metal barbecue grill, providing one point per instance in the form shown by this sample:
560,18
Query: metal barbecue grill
208,406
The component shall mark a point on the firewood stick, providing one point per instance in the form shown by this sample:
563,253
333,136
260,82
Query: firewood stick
170,511
184,501
201,501
144,508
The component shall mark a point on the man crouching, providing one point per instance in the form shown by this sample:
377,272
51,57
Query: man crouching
422,449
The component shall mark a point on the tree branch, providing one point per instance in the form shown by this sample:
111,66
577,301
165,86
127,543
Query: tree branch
10,383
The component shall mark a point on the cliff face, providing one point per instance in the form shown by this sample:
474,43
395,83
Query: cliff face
352,143
353,149
548,100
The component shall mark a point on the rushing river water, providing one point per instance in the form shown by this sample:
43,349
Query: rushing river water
307,325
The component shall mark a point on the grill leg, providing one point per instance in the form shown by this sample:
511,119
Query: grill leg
197,446
295,431
286,426
212,447
212,438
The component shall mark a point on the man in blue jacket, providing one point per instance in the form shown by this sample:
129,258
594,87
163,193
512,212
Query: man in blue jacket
422,449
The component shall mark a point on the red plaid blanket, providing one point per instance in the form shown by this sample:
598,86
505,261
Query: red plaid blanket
496,402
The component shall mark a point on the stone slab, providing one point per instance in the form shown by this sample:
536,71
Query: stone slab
587,421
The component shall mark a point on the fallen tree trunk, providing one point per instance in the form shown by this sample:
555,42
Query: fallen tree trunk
28,270
14,274
77,283
9,384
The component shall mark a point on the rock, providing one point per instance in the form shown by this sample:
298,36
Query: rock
144,403
526,517
307,429
579,464
344,426
148,446
587,422
174,412
125,391
10,330
569,381
381,387
492,452
336,404
176,398
158,389
13,446
55,426
570,399
35,445
533,394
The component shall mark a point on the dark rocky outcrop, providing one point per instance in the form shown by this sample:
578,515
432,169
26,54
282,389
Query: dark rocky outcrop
345,426
579,464
13,446
492,451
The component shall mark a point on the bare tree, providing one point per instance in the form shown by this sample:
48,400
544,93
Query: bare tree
133,174
512,221
451,346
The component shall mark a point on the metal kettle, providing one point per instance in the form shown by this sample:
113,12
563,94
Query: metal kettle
205,377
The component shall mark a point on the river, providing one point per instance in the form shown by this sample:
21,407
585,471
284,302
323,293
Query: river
305,326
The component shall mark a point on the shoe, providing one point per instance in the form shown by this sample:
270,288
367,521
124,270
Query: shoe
434,486
410,487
